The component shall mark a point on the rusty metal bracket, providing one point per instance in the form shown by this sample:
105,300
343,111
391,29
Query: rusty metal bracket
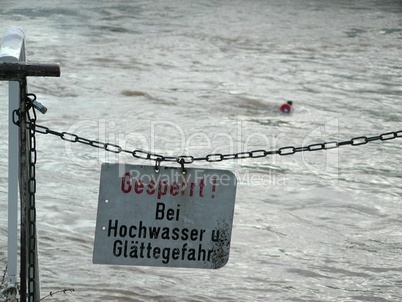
16,71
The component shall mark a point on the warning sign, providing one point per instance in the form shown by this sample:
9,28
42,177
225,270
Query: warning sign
164,218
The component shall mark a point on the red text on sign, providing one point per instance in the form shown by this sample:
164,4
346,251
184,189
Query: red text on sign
162,188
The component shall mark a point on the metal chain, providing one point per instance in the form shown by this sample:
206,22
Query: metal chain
215,157
32,244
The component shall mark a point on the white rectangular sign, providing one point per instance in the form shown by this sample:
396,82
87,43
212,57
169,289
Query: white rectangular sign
164,218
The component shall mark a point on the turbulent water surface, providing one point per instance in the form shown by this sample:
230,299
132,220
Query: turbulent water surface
200,77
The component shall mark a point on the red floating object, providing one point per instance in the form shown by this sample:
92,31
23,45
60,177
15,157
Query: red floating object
286,108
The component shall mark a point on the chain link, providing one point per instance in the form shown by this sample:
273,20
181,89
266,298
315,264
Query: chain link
214,157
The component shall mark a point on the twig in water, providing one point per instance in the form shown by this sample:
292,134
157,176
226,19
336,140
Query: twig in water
51,294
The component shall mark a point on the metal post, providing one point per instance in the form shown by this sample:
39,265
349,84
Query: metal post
11,69
12,185
24,190
24,193
13,50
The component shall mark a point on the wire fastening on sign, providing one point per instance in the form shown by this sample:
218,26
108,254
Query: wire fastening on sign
157,165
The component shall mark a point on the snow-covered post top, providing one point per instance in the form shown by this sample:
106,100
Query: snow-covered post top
13,45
